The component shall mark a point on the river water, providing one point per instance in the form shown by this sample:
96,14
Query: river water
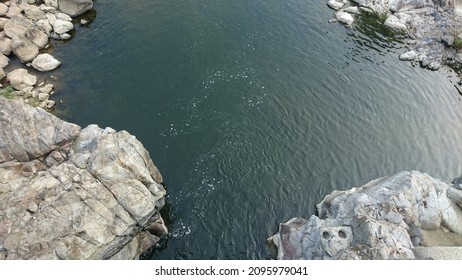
254,110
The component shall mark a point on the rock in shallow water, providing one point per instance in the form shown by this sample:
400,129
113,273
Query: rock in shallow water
384,219
334,4
394,23
344,17
80,193
45,62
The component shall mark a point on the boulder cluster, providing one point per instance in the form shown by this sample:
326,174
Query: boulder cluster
26,29
433,28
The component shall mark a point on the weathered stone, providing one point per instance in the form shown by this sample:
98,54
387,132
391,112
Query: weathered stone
45,62
383,219
51,18
81,194
48,9
45,26
17,25
48,88
50,104
33,12
334,4
4,60
448,40
13,11
3,22
43,96
51,3
5,45
3,9
75,7
2,73
344,17
351,10
394,23
38,37
20,79
65,36
62,26
24,49
410,55
63,16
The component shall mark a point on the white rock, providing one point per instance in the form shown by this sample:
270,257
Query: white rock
43,96
351,10
334,4
20,79
62,26
394,23
50,103
380,220
48,88
33,12
2,23
45,25
345,18
51,18
3,9
65,36
4,60
5,45
45,62
63,16
51,3
48,9
13,11
410,55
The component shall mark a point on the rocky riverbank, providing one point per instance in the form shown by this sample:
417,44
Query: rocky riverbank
27,26
433,28
409,215
72,193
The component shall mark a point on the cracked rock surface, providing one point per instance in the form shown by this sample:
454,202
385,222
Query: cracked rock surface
409,215
72,193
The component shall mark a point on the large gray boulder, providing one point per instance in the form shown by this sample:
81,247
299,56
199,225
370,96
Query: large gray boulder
72,193
75,7
388,218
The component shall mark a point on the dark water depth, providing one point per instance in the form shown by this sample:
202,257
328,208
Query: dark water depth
254,110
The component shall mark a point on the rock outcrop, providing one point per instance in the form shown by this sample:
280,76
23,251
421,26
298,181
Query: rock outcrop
72,193
409,215
433,28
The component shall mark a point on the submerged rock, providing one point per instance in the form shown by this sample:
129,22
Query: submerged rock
388,218
72,193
